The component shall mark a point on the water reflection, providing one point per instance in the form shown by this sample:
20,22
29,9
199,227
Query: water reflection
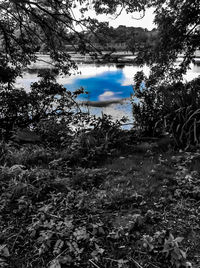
109,88
109,85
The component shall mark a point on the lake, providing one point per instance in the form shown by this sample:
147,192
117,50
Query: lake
109,87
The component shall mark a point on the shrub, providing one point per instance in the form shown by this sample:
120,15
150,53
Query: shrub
147,105
45,100
169,108
91,145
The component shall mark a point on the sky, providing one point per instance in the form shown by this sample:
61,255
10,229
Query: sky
125,19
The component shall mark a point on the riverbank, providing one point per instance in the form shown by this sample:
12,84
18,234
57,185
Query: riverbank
119,58
44,62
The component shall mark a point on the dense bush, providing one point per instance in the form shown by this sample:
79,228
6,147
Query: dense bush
169,108
145,107
93,143
45,100
183,117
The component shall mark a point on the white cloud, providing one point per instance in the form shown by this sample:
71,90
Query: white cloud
107,95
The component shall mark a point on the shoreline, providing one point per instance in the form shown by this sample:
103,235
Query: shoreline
103,104
120,59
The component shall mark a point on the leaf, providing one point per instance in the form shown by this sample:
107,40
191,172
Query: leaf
188,264
58,246
4,251
183,253
3,263
121,263
55,264
65,259
99,250
94,253
179,239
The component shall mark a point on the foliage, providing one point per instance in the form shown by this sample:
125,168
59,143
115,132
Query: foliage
26,27
169,108
53,24
182,118
167,104
146,105
134,38
92,142
171,252
57,216
177,22
54,212
45,100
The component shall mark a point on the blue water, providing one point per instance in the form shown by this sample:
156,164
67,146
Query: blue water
104,83
103,87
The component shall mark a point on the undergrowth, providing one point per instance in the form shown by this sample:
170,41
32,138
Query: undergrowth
143,213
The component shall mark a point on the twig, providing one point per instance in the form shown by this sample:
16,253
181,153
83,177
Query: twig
118,14
57,256
111,259
54,216
197,202
94,264
154,265
141,252
136,263
16,239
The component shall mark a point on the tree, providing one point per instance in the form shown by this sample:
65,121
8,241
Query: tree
178,31
167,103
26,25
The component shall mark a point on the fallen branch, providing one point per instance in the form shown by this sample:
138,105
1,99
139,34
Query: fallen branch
135,262
94,264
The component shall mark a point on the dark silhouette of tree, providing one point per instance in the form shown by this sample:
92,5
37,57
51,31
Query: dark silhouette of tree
178,26
27,25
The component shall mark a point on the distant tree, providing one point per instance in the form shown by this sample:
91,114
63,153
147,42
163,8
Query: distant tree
26,27
138,40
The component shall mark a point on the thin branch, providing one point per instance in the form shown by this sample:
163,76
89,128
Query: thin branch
135,262
94,264
191,30
118,14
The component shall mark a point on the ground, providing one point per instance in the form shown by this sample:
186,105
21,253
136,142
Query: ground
137,209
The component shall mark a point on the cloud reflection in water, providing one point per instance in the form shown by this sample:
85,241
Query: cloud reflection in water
102,87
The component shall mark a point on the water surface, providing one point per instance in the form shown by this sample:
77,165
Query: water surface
105,84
